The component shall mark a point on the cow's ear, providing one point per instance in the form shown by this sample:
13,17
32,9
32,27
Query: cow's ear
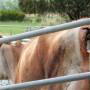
85,27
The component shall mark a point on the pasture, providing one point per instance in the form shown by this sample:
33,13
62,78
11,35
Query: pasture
10,27
16,27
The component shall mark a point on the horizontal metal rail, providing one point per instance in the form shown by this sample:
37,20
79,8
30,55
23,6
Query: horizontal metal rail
50,81
46,30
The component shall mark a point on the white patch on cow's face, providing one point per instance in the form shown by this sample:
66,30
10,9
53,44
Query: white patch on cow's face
3,66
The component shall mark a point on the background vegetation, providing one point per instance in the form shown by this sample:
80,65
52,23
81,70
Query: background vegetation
31,21
75,9
11,15
17,16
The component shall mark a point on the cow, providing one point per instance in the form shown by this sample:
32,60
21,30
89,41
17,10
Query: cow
9,57
56,54
51,55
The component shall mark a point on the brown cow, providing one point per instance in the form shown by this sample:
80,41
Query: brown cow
57,54
9,57
51,55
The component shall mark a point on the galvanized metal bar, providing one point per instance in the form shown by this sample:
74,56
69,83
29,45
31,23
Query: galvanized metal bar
50,81
46,30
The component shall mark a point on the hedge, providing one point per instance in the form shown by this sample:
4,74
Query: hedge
11,15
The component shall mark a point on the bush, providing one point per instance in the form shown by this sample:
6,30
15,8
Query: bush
11,15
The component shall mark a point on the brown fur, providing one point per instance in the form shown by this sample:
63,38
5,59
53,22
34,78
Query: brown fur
53,55
11,55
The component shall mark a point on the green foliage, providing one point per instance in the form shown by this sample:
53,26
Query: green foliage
33,6
11,15
75,9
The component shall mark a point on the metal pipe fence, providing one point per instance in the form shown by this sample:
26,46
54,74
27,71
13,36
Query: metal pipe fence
49,81
46,30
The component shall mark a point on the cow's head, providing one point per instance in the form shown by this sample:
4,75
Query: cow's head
88,41
4,70
85,35
9,57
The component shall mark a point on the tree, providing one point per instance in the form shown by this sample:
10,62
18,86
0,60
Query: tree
75,9
33,6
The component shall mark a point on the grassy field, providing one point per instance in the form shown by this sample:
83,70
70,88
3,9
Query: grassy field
16,27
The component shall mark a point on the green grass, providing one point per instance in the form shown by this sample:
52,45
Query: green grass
15,27
10,27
